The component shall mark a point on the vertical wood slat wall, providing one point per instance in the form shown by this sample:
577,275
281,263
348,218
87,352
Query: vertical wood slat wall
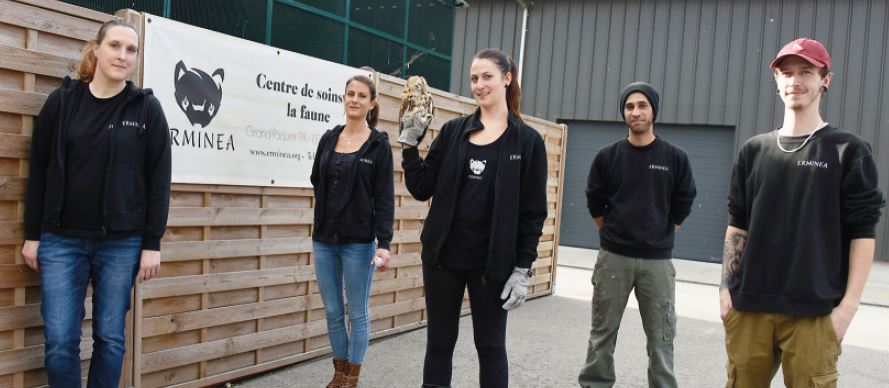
236,295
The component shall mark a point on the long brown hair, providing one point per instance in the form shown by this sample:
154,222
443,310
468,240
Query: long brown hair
506,65
87,69
373,115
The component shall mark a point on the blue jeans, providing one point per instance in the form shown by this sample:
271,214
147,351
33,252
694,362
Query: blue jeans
335,263
67,266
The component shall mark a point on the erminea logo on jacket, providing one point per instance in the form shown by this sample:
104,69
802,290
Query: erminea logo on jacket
477,166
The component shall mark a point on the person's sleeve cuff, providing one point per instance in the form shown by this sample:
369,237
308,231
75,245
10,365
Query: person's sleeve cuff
32,234
383,244
866,230
410,153
151,243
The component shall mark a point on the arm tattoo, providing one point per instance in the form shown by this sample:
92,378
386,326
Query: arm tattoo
731,257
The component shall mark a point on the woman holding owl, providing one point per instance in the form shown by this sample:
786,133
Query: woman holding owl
486,175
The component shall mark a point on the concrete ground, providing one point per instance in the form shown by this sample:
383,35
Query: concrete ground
547,339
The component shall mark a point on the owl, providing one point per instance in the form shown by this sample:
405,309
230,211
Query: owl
416,98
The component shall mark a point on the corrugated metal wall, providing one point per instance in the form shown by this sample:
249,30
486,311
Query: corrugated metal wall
709,58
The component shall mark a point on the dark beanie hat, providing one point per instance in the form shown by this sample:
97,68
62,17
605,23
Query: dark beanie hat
646,89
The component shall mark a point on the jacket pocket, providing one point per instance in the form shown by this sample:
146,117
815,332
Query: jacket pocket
828,380
359,208
126,190
50,214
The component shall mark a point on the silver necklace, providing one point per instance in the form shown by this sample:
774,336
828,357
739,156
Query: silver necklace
348,141
778,138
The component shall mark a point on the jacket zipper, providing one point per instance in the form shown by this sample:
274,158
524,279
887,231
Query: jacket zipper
355,165
502,164
107,180
461,157
60,158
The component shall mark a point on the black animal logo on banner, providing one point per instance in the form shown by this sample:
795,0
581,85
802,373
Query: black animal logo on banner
198,94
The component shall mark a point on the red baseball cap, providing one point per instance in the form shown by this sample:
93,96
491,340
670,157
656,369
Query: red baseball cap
809,49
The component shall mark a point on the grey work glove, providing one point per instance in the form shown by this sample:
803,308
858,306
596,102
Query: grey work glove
516,288
414,124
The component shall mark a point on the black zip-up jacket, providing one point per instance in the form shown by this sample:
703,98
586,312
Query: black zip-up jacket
137,183
519,192
369,210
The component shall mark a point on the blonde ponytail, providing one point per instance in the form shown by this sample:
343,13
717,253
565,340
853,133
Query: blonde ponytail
87,68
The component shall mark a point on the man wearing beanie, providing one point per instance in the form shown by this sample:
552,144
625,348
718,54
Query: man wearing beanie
639,191
803,204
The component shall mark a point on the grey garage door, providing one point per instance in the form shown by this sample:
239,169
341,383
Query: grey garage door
710,150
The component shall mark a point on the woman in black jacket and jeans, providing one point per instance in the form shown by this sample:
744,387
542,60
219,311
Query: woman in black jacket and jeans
354,188
97,203
487,176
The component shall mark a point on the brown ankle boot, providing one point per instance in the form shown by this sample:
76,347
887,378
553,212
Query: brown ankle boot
350,379
339,370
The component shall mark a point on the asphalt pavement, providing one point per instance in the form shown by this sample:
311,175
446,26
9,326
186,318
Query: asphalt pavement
547,339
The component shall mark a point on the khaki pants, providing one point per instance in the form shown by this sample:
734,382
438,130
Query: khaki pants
654,283
757,343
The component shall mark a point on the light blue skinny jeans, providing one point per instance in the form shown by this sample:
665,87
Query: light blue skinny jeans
349,264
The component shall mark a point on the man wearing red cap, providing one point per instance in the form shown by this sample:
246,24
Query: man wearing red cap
803,204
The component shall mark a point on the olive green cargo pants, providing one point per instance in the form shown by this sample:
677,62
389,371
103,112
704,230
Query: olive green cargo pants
654,280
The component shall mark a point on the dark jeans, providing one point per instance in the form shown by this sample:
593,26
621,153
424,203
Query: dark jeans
444,299
67,266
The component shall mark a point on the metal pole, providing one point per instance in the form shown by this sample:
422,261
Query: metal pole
525,5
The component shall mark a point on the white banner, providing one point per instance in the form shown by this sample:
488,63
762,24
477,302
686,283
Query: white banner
240,112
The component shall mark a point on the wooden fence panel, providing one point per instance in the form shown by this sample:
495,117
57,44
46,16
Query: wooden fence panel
236,294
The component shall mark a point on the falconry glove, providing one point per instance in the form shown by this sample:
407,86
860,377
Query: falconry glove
516,288
414,124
